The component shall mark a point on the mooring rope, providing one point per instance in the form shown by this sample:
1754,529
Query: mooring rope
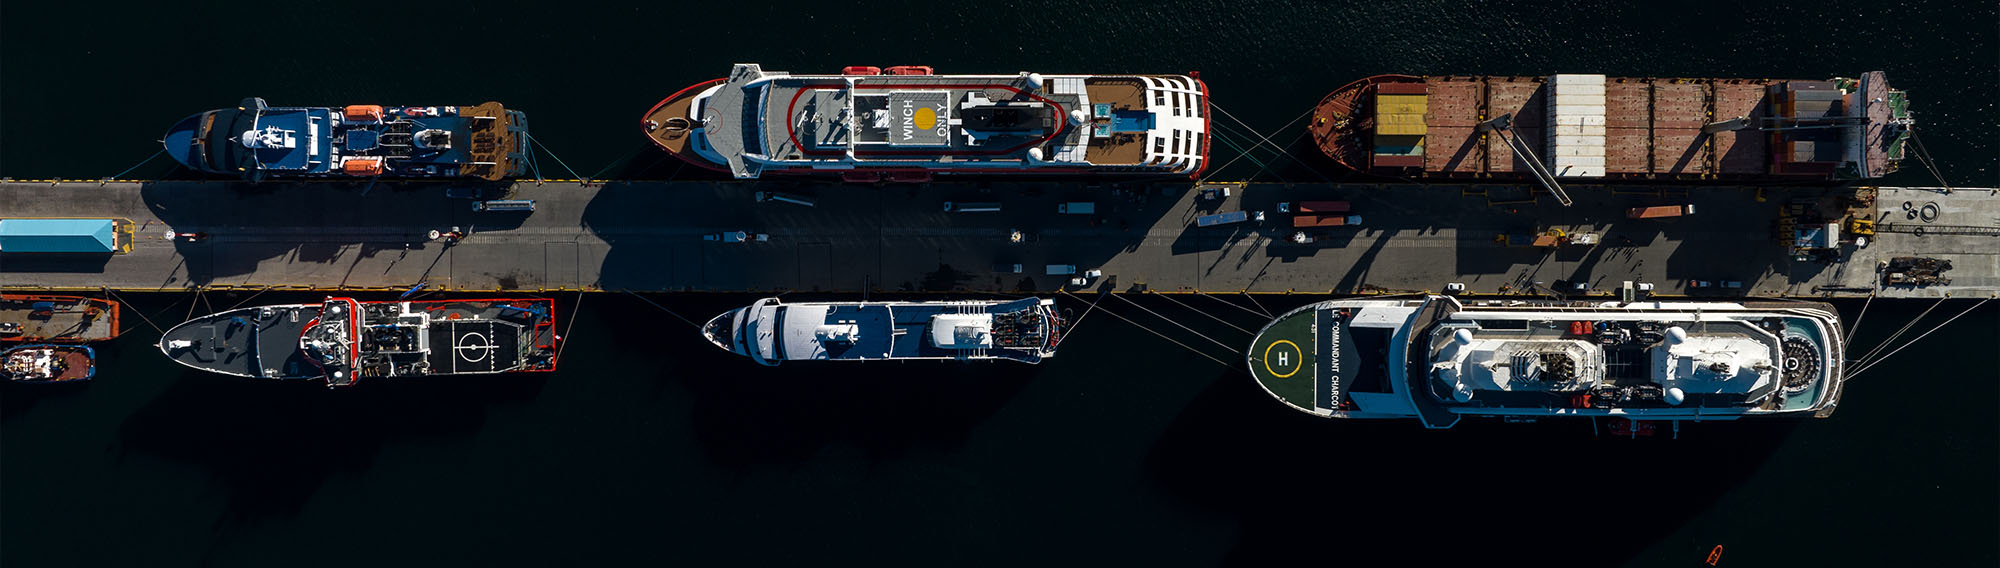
1160,335
1281,151
1211,316
1183,327
135,309
1865,359
247,300
559,160
149,159
575,312
1086,312
1234,305
697,327
1924,157
1865,368
1242,153
1253,301
1857,320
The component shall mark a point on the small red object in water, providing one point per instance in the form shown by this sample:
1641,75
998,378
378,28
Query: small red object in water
1715,555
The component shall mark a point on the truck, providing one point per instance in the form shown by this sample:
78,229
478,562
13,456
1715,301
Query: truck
971,206
1659,211
1225,218
1310,214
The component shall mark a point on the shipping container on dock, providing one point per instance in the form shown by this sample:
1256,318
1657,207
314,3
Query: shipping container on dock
65,236
1591,127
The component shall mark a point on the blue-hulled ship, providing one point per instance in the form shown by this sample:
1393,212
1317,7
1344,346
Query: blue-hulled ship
770,332
259,141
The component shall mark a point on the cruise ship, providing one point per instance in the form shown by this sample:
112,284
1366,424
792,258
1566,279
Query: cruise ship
1587,128
904,124
770,332
259,141
342,340
1437,360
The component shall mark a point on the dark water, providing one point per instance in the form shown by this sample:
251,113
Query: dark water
652,447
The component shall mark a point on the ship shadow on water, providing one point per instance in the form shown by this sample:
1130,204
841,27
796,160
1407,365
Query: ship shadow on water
746,416
1386,493
271,444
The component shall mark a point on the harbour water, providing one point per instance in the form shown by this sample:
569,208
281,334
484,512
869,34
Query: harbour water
651,446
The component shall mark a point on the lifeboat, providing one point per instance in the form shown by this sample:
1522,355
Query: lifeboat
362,166
909,70
365,114
861,70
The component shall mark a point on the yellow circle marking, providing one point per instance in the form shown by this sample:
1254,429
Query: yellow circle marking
1295,368
926,118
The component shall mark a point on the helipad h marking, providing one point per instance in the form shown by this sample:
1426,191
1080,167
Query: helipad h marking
1282,359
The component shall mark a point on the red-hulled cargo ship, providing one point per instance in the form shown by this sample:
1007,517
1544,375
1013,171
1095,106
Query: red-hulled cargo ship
1592,127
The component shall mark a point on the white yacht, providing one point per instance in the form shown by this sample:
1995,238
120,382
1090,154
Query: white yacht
1437,359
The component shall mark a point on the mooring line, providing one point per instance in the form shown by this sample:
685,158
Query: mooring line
1178,324
1235,305
1086,312
575,312
1211,316
559,160
1865,359
247,300
1253,301
697,327
148,160
1857,319
1160,335
1865,368
135,309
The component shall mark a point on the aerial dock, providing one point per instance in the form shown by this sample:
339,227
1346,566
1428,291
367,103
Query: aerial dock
831,237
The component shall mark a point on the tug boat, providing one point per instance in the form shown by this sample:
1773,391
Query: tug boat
1592,128
48,364
1437,360
57,319
904,124
770,332
259,141
342,340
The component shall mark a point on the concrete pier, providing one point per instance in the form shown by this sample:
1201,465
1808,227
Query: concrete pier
664,236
